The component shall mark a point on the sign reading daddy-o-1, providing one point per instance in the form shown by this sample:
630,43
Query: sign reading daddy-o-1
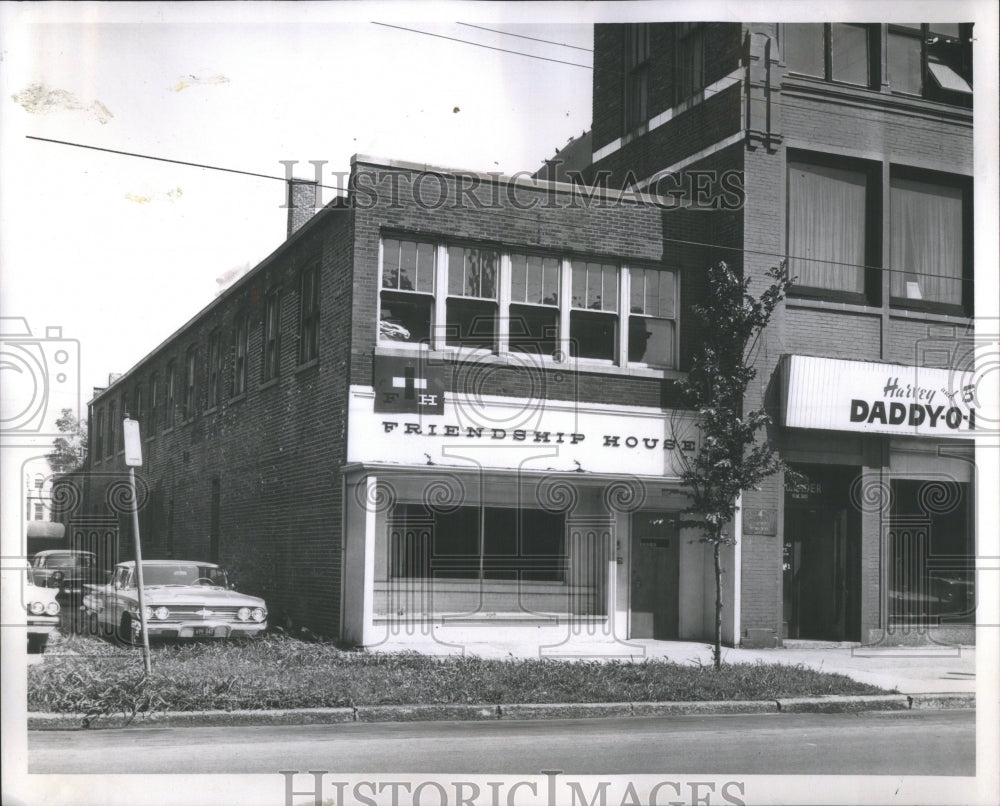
838,395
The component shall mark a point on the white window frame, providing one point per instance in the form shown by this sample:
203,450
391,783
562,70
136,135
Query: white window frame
439,308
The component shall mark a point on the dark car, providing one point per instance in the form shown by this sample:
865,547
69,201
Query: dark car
68,571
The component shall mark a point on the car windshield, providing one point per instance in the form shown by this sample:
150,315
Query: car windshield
182,574
66,561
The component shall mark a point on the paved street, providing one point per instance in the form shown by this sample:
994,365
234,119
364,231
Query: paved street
903,743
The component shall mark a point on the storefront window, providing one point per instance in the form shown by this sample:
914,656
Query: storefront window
485,561
931,553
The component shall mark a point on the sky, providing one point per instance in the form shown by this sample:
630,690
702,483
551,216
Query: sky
119,251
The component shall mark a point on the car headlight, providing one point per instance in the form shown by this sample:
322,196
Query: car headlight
36,608
147,612
161,613
257,614
52,608
243,614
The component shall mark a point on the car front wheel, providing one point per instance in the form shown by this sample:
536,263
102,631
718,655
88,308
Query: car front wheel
125,633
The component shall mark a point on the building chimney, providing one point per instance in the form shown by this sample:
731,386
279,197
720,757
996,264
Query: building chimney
303,203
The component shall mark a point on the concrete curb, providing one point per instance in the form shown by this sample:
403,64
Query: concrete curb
453,712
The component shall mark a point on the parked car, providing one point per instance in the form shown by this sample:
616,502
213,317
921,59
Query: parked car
42,611
183,599
67,571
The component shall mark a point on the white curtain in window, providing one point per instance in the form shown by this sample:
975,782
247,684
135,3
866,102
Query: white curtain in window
925,251
826,222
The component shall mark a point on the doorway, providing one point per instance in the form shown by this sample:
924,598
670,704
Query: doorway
820,580
655,570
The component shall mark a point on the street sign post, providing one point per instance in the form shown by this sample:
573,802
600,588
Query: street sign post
133,458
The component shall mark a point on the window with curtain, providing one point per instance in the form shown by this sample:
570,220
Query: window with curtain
826,227
637,74
926,251
690,66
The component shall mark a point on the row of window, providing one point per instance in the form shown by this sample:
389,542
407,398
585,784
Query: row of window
835,233
445,295
931,61
174,397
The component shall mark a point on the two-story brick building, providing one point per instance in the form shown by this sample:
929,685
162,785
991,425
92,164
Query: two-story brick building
443,411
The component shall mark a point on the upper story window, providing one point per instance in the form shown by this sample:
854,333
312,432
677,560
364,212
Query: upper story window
836,222
593,318
214,369
931,60
241,349
154,404
832,51
109,432
472,305
271,336
543,304
830,240
930,238
190,380
98,445
137,403
636,74
309,314
533,323
124,413
408,286
689,49
171,401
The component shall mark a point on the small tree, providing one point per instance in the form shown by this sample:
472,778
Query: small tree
731,457
70,449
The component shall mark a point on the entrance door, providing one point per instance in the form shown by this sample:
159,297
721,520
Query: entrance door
821,563
654,610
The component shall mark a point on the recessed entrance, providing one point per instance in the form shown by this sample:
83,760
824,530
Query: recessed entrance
822,558
654,609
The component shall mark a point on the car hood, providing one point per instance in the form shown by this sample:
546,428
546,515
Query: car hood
190,594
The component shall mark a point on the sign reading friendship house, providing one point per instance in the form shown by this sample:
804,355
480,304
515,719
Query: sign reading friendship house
839,395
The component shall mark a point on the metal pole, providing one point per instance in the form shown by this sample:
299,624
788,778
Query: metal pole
138,570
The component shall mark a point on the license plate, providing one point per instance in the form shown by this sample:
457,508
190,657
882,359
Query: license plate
204,631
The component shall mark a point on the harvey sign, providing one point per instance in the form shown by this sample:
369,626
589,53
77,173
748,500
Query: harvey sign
838,395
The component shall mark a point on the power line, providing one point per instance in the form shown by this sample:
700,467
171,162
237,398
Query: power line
478,45
522,36
172,161
639,202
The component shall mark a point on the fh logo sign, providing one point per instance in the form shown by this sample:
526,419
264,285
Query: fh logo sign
408,385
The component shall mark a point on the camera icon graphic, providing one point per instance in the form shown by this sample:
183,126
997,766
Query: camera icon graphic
39,376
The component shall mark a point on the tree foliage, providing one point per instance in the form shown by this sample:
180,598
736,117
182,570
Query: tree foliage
732,457
69,449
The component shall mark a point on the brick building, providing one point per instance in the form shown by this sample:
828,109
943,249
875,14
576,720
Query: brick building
446,403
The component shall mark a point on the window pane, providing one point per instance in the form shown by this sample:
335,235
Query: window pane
826,226
949,29
849,53
390,263
651,341
534,329
405,317
594,286
925,251
408,266
550,281
471,323
637,291
609,301
593,335
804,48
579,285
904,63
667,293
932,554
518,277
425,268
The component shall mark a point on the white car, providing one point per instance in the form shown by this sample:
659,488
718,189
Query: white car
183,599
42,611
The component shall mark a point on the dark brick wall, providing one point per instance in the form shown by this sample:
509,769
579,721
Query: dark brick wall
275,451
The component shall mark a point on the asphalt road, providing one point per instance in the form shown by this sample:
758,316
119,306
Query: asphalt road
902,743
